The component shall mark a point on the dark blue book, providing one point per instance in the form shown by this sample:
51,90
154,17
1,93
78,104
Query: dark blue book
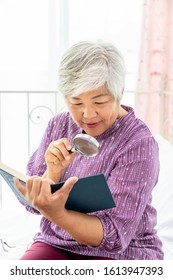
89,194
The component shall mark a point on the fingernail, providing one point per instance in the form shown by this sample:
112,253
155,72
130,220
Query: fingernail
69,147
67,158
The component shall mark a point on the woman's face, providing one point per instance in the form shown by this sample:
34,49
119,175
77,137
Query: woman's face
95,111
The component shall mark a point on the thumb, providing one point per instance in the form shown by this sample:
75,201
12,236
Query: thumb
67,187
69,183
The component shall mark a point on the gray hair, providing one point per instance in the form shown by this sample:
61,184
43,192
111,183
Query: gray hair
89,65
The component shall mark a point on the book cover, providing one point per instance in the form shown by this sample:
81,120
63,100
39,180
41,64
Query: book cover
89,194
8,174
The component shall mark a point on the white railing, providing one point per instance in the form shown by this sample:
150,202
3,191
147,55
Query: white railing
30,108
24,116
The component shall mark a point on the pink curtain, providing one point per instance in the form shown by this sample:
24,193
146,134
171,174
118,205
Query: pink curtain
154,98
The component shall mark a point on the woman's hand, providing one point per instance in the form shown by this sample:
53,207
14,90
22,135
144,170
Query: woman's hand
86,229
38,193
58,158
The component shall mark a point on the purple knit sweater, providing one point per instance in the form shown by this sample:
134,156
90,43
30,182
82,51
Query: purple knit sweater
128,157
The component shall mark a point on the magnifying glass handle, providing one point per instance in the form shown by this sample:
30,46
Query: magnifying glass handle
72,150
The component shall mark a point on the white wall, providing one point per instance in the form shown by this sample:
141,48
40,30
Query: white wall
33,35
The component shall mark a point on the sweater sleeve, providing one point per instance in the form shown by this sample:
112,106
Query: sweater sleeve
131,183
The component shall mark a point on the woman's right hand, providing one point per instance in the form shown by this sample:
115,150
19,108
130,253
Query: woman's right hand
58,158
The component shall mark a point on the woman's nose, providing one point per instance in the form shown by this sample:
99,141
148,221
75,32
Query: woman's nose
89,112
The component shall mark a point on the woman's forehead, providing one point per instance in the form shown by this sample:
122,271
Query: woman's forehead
100,92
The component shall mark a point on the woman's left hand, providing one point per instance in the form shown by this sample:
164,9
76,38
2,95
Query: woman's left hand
38,193
86,229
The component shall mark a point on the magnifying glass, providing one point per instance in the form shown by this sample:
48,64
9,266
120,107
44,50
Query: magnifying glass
85,145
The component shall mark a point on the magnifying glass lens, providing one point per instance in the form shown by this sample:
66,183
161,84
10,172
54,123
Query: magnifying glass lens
85,145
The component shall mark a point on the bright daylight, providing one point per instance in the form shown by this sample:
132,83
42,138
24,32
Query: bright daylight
86,122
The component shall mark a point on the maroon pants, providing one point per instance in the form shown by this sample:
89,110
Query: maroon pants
43,251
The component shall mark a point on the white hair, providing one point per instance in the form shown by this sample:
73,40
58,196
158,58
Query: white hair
89,65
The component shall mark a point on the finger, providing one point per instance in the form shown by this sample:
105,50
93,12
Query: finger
50,158
53,154
56,152
19,186
46,187
33,186
44,197
66,143
62,146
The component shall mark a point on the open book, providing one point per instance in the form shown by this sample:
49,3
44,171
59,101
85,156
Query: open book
89,194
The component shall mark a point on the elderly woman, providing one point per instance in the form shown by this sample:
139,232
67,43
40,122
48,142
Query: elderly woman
92,79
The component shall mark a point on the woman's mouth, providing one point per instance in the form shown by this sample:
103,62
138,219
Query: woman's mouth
92,125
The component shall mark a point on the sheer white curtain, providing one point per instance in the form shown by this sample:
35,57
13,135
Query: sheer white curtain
154,101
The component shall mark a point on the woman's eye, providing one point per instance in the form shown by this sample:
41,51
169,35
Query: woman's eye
77,104
100,103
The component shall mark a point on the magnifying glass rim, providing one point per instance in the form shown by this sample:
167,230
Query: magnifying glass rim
87,137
